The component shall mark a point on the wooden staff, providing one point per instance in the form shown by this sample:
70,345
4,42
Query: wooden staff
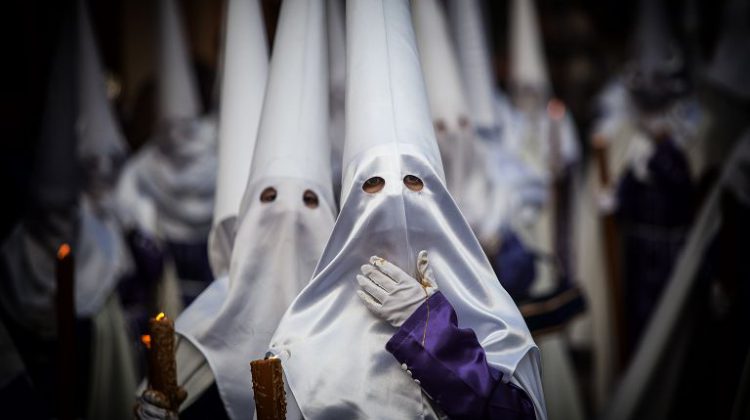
612,255
268,389
162,367
560,187
66,344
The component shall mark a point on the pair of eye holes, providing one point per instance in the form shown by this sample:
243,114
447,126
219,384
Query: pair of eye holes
308,197
377,183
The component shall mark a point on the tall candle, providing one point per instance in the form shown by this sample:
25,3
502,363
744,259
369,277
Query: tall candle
66,355
268,389
162,367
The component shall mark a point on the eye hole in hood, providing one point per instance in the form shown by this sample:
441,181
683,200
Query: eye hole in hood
268,195
310,199
373,185
413,183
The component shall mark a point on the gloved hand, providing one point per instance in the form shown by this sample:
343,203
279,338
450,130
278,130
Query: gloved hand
390,293
153,405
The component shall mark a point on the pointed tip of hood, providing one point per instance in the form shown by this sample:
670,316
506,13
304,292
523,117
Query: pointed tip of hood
293,133
178,94
386,99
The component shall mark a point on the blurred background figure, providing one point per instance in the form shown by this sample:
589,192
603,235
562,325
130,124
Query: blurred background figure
70,210
166,193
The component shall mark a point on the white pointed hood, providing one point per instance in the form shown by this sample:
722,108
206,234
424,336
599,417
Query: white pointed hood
178,95
528,66
386,88
280,237
99,135
293,110
474,58
439,64
168,188
389,136
243,87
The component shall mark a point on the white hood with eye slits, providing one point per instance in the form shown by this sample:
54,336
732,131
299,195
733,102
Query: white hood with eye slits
243,86
278,241
332,348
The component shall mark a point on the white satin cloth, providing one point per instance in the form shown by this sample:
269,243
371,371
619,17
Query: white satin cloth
168,187
275,251
333,349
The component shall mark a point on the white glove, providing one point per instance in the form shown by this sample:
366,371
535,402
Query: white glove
153,406
390,293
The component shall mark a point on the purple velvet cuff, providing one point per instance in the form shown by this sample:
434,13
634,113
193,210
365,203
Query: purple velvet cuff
452,368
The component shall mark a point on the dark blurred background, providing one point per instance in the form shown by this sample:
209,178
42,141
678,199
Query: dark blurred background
586,41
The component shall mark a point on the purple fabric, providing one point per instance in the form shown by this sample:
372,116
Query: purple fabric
654,218
452,368
515,266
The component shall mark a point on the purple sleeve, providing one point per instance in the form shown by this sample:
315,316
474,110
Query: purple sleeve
451,366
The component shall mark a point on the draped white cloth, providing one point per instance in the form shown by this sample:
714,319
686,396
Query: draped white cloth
167,188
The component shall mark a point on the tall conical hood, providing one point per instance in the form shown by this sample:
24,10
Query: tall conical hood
439,64
55,180
474,58
243,87
178,96
528,67
99,133
731,61
279,237
386,101
293,135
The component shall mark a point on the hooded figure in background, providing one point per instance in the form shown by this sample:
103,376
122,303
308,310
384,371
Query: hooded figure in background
656,125
648,131
167,189
517,191
77,164
244,74
701,316
286,215
481,201
544,135
401,250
